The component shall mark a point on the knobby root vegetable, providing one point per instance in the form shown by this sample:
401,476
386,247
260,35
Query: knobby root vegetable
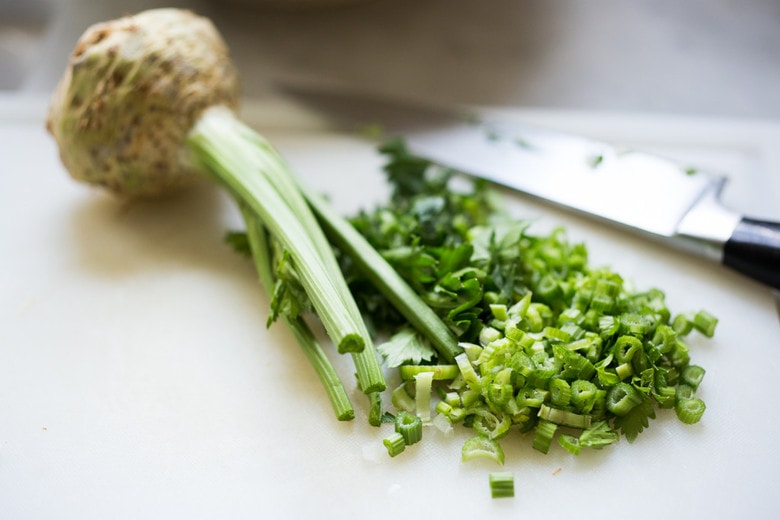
147,104
132,91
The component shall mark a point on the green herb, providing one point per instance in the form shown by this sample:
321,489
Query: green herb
377,280
405,346
548,343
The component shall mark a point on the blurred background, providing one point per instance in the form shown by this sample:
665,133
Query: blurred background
694,58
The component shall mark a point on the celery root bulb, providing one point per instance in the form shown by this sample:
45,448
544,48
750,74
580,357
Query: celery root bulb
131,92
147,104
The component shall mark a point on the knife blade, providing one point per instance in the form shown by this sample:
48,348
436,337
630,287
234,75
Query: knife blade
649,194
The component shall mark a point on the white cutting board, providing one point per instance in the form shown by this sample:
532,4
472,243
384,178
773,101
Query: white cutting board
137,379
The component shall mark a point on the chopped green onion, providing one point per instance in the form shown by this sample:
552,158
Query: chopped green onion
409,426
395,444
502,484
690,411
665,395
482,447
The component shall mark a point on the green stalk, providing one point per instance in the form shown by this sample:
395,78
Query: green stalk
334,388
219,142
382,275
249,167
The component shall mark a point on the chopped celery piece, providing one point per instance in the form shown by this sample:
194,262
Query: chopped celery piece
705,323
545,431
395,444
690,411
480,447
693,375
489,424
583,395
560,392
440,372
564,417
423,382
468,372
375,409
502,484
402,400
570,443
622,398
409,426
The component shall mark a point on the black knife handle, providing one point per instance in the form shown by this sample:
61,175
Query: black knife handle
754,250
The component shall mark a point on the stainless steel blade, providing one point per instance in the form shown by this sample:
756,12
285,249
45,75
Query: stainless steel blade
624,186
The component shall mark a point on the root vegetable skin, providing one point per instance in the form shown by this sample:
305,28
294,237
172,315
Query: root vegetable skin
132,91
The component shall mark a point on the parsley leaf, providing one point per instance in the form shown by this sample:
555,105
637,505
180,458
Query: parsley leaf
405,347
598,436
632,424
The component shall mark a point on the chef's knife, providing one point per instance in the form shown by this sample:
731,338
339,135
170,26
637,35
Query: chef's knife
654,195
